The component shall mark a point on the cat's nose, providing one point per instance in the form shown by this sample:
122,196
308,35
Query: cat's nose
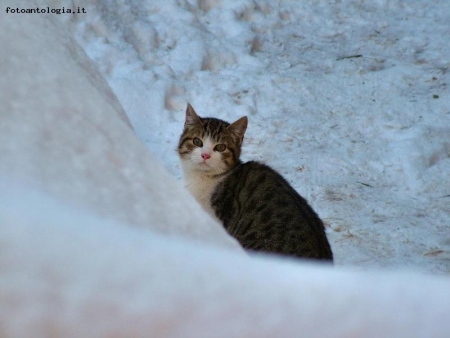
205,156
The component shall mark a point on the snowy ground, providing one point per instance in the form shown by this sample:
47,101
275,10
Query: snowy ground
349,100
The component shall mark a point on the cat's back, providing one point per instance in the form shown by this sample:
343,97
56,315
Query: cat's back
264,212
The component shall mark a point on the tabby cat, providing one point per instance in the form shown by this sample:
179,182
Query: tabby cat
255,204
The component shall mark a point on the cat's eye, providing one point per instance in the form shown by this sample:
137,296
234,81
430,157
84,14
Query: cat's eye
220,147
197,142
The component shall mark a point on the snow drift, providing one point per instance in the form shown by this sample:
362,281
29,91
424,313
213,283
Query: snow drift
62,130
71,274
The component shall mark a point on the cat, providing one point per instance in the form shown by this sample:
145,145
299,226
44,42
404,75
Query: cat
255,204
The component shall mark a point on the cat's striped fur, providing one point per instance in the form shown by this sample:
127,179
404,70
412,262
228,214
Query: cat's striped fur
255,204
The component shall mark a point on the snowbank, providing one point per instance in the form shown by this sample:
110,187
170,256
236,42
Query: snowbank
63,131
71,274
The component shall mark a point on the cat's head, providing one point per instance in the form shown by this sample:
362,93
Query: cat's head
210,145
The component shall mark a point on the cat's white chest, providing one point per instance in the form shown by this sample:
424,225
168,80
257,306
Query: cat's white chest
202,187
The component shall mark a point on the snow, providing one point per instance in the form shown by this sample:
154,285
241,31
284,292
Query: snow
70,273
364,139
81,150
348,100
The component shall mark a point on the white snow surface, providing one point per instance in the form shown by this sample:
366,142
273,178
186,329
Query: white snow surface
348,100
62,131
66,273
365,139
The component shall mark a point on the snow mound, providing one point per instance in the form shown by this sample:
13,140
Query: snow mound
63,131
68,273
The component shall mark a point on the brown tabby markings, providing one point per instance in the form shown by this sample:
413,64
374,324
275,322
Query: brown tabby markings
255,204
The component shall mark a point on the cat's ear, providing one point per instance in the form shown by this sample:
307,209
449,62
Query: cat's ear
239,127
191,116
